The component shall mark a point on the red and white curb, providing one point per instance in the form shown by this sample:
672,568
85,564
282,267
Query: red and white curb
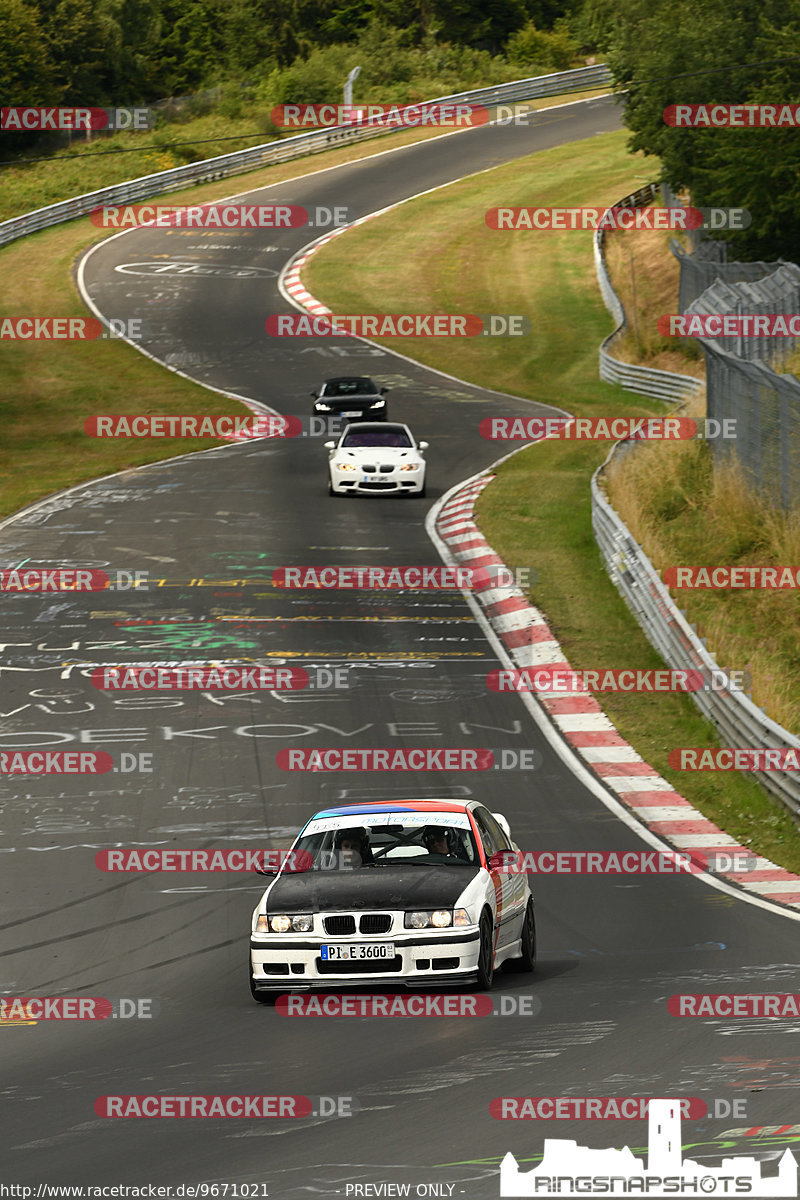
293,285
529,642
578,718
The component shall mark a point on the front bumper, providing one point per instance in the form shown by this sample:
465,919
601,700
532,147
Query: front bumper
395,483
364,413
278,962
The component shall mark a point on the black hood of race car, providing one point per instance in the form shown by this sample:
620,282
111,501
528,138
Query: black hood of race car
366,888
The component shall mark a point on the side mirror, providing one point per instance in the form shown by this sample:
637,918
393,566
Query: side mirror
329,445
502,860
422,445
384,391
290,861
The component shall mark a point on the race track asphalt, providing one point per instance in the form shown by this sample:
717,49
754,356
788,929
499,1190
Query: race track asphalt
210,529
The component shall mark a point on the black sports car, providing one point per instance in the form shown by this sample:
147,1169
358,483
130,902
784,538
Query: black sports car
354,398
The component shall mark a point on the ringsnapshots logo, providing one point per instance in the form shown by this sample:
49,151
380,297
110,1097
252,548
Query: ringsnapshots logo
570,1170
400,325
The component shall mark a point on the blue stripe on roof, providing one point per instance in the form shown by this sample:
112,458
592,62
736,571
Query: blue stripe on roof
354,811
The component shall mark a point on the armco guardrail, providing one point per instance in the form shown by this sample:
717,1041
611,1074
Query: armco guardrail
314,142
737,719
645,381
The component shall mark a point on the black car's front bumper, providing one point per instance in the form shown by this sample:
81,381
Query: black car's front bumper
362,412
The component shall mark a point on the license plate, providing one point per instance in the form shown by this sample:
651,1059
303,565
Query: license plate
356,951
367,478
352,414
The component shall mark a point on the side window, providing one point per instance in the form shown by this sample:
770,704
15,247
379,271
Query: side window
492,835
491,844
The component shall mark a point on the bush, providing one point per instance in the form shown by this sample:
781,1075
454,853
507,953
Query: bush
392,71
541,50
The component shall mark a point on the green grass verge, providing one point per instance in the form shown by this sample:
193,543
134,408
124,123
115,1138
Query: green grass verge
537,512
49,388
670,498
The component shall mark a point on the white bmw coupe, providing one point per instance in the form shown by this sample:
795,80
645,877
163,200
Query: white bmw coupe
376,458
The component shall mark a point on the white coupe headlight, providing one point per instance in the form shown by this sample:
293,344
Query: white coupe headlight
410,467
440,919
284,924
345,467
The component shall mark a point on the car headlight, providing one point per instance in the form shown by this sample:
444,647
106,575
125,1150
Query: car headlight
461,917
284,924
322,407
345,467
439,919
410,467
378,404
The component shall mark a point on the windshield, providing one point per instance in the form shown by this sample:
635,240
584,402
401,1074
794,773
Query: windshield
382,840
394,438
349,387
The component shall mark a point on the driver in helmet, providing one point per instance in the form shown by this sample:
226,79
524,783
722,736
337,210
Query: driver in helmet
441,839
353,847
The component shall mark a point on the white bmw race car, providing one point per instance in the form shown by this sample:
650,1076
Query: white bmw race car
415,893
376,458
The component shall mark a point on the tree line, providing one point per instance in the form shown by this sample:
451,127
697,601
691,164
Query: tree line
132,52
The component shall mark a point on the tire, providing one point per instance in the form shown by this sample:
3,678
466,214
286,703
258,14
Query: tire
527,960
486,955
